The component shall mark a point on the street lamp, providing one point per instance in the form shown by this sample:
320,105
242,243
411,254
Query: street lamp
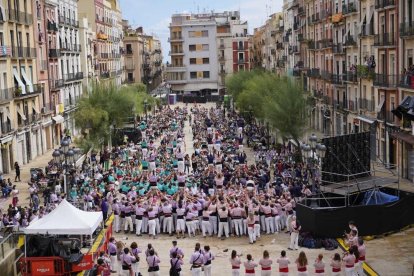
66,155
145,109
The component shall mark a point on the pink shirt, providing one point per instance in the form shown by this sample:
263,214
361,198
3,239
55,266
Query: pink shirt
249,265
319,265
266,262
235,262
283,262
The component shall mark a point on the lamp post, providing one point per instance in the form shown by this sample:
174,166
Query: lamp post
145,109
67,155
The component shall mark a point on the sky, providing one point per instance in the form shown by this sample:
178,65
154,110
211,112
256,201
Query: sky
155,15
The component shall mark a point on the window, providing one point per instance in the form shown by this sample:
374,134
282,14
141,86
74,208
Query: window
206,74
193,75
204,33
206,61
192,34
206,47
193,61
192,47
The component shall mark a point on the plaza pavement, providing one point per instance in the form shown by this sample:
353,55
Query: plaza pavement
392,255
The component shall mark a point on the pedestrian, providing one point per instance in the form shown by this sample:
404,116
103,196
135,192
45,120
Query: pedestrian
319,265
250,228
266,264
302,263
127,260
208,257
223,222
112,250
15,193
104,208
235,263
176,262
153,262
196,261
362,252
294,234
283,262
135,251
336,265
250,265
349,260
17,169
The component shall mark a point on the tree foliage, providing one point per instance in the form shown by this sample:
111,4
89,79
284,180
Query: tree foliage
107,106
277,100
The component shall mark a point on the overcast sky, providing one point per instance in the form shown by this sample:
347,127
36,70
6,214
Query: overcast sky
155,15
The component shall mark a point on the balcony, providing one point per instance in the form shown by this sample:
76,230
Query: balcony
325,43
54,53
241,47
351,76
367,30
23,52
311,45
407,29
300,37
19,17
130,67
314,73
293,50
388,81
43,65
338,49
6,127
104,75
315,18
52,26
175,39
176,53
350,41
337,79
69,77
6,95
349,9
79,76
406,81
221,46
301,11
241,61
384,4
19,95
366,104
351,105
385,40
325,75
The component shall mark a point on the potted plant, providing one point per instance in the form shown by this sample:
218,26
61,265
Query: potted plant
17,91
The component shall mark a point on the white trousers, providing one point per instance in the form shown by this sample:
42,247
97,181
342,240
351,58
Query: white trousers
167,225
223,227
213,222
257,230
190,227
294,237
269,225
151,226
235,272
207,270
138,224
114,263
180,225
277,223
196,271
129,224
117,223
206,228
238,227
252,235
265,272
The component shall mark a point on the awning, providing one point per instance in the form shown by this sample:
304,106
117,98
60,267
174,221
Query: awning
27,80
34,107
21,113
371,14
58,119
366,119
403,136
2,14
19,81
381,104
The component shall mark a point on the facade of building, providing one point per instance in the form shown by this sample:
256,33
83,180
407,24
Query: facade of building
355,59
21,128
204,49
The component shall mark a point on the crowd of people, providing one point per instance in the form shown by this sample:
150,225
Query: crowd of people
164,186
126,260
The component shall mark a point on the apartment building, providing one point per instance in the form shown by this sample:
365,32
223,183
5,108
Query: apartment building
357,60
87,56
21,128
151,61
204,49
105,19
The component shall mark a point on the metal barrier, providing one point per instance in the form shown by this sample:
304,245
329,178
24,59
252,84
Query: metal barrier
8,244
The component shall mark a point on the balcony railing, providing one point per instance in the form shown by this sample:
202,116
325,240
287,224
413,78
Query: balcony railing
52,26
407,29
314,73
349,8
104,75
406,81
337,79
19,17
240,61
325,43
338,49
366,104
23,52
54,53
326,75
6,94
367,30
385,39
350,40
351,76
383,80
382,4
6,128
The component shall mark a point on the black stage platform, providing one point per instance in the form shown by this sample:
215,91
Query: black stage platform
358,185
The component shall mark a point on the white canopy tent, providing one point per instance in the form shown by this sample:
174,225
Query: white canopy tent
66,219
